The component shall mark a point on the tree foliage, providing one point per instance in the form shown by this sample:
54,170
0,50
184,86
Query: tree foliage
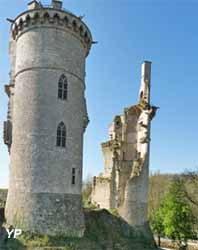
174,218
157,224
158,187
178,217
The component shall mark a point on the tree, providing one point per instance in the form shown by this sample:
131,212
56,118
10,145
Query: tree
178,218
190,178
158,187
157,224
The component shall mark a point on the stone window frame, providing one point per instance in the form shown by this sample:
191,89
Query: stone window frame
61,135
63,88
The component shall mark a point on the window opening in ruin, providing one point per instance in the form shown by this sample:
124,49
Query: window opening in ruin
141,95
123,155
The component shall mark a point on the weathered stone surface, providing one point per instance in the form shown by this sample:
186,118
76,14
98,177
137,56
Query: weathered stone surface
126,159
45,44
104,231
48,213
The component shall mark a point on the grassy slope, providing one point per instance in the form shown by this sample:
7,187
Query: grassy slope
104,231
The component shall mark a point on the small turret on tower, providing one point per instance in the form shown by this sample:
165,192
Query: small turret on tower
56,4
34,5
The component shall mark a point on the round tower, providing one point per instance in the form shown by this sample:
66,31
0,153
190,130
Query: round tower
48,49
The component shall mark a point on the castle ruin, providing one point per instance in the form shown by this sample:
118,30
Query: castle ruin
124,183
47,118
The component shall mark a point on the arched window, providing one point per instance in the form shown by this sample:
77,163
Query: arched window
62,88
61,135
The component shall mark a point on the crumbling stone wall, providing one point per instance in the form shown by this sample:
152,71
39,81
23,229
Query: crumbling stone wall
126,157
102,191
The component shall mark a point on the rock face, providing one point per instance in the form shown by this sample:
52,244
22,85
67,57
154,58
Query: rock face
124,183
47,117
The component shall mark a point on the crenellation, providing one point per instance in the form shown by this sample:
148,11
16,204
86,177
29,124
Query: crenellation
42,17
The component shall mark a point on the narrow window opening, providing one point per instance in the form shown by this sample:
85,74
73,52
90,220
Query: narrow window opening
123,155
94,181
141,95
62,88
61,135
73,175
118,123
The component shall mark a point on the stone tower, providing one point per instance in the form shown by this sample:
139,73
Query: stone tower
124,183
47,119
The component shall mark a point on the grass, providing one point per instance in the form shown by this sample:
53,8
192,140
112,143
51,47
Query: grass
104,231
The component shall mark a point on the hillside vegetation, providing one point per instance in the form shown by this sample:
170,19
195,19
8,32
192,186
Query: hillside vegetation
3,195
104,231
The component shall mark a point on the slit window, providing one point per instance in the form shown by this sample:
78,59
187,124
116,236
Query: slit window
123,155
73,175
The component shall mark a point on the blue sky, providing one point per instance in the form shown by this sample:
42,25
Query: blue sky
129,32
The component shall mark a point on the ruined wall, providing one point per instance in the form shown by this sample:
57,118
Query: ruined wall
128,162
101,194
134,209
107,151
118,155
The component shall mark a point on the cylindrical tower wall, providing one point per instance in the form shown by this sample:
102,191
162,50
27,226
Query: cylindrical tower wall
49,44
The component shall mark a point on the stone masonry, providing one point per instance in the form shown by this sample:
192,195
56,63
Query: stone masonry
46,159
124,183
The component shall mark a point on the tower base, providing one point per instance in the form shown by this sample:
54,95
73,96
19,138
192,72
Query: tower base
46,213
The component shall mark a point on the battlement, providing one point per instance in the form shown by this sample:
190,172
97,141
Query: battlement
39,16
